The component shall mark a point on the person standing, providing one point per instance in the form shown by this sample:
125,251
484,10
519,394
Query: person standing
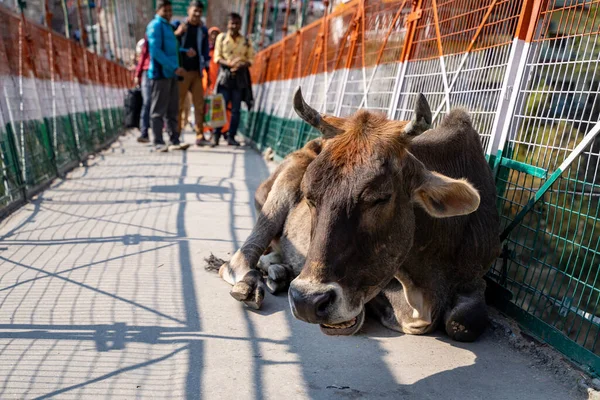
193,49
184,112
141,79
210,78
234,54
163,72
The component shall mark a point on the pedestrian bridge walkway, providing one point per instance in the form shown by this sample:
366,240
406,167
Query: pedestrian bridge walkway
103,294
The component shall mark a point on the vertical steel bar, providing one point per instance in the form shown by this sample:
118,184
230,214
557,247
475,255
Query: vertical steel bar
265,19
92,26
118,32
516,69
441,54
411,24
63,4
286,19
250,30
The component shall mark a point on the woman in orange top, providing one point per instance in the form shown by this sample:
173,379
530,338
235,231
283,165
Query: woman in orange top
213,70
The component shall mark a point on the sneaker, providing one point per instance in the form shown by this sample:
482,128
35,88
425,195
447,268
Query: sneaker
202,142
179,146
161,148
143,139
233,142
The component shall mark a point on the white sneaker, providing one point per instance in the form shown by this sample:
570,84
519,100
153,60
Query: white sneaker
180,146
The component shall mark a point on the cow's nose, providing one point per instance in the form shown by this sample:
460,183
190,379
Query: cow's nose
311,307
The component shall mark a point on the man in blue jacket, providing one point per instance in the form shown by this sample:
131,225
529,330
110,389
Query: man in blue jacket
193,49
163,74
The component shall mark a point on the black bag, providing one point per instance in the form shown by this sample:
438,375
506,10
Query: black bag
133,108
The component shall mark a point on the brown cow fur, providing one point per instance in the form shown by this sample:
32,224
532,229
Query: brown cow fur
406,226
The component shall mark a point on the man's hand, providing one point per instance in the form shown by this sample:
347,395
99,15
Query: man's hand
179,71
181,29
191,53
239,64
229,64
136,81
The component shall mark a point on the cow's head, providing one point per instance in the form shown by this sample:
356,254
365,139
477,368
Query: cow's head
361,191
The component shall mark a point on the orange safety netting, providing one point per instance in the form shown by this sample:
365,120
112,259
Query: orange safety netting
366,33
32,50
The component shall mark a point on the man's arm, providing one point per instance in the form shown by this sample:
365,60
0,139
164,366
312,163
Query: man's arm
204,47
179,30
250,52
218,56
155,46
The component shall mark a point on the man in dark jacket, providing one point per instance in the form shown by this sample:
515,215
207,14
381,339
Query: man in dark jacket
193,50
234,54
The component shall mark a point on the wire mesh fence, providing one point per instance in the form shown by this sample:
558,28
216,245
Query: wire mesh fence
527,73
552,260
58,103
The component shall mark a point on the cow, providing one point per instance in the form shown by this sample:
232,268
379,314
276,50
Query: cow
387,216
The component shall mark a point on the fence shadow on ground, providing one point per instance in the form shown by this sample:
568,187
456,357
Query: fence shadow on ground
100,297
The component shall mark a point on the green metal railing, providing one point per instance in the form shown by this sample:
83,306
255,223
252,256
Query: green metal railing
536,104
58,104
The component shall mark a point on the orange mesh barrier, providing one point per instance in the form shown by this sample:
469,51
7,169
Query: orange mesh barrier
59,102
368,33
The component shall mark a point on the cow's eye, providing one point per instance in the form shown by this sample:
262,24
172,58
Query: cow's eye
382,200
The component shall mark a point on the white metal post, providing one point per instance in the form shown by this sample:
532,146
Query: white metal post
397,90
342,91
515,70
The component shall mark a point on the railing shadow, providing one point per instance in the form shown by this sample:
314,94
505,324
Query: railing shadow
102,295
77,259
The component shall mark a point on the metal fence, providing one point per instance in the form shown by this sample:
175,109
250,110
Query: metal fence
58,103
527,72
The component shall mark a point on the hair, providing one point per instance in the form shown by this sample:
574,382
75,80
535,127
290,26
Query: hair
364,134
162,3
235,16
196,3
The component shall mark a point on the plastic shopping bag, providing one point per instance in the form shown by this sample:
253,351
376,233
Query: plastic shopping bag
214,111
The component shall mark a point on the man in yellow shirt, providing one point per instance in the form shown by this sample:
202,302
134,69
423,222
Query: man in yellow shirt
234,54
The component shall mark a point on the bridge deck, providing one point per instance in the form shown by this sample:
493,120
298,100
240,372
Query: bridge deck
103,293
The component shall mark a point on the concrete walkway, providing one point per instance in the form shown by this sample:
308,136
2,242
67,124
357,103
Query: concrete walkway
103,294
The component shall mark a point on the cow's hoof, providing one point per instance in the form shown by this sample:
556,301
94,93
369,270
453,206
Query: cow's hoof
250,290
278,278
267,260
467,321
226,273
275,287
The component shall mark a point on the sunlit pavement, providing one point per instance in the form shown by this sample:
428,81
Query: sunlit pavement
103,294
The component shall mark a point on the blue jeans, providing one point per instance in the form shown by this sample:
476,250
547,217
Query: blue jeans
235,97
147,101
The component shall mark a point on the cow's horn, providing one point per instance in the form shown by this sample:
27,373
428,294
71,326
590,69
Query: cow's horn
421,120
312,116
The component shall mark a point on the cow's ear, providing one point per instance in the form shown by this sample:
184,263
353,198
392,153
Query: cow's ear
421,120
443,197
